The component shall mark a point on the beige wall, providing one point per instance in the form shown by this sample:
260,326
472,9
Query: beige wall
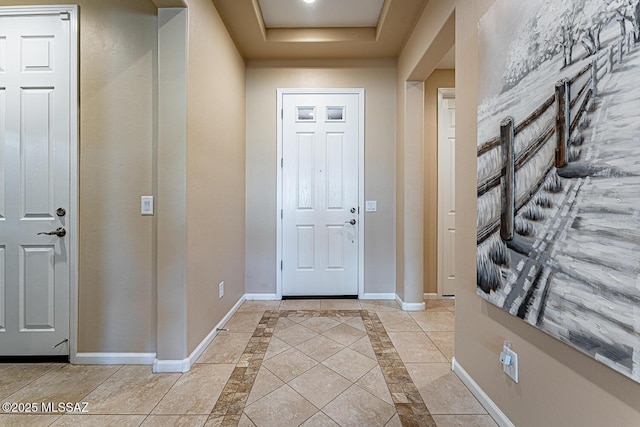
437,79
378,80
559,386
116,289
215,171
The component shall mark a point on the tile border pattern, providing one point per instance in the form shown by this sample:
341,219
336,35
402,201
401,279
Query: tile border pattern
409,405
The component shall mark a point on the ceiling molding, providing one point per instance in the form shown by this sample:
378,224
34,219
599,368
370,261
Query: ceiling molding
320,35
383,17
258,14
170,3
246,25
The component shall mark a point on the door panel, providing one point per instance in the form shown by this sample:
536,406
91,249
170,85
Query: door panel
35,138
446,193
320,187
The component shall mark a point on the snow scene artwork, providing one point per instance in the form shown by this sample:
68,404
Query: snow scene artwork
559,171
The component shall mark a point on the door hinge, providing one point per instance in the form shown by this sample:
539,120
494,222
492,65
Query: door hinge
281,162
281,214
281,265
281,113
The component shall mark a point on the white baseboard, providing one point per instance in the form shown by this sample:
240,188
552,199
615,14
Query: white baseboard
261,297
391,296
113,358
431,296
185,364
408,306
488,404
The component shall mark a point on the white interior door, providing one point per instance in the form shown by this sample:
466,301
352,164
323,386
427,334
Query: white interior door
320,212
447,191
34,183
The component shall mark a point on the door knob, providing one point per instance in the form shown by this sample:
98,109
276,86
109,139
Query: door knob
60,232
352,222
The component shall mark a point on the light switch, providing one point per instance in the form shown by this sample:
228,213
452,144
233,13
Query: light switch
146,205
371,206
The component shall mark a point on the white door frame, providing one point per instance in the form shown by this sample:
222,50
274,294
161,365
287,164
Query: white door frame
72,224
442,94
322,91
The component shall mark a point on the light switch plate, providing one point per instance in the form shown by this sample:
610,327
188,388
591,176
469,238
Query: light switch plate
146,205
371,206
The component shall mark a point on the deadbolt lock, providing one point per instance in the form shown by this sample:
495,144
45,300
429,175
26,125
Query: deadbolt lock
61,212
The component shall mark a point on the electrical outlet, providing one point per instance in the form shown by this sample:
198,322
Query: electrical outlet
221,290
509,360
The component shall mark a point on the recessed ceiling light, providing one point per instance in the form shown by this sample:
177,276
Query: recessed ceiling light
309,1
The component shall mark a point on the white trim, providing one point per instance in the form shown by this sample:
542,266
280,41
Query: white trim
261,297
72,219
408,306
169,366
390,296
431,295
163,366
114,358
484,399
361,145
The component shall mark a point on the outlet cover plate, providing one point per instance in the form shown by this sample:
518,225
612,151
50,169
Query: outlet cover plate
220,290
371,205
512,368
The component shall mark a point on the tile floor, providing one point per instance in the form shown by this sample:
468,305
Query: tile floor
281,363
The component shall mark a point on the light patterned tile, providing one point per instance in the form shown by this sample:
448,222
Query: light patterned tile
394,321
23,420
300,304
174,421
350,364
70,383
344,334
282,407
445,341
289,364
373,382
320,419
320,347
245,321
295,335
99,421
363,346
320,324
319,385
416,347
225,348
356,322
196,391
435,321
276,346
264,384
442,390
132,390
245,421
337,304
357,407
464,421
15,376
259,305
380,305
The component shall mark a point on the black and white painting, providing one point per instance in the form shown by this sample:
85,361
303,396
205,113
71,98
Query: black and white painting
559,171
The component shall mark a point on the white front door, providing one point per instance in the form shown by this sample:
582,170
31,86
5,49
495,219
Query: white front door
35,160
320,195
447,191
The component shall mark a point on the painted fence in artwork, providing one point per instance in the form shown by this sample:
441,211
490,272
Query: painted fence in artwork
554,121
